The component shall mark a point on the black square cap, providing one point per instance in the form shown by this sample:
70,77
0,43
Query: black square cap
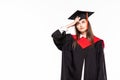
81,14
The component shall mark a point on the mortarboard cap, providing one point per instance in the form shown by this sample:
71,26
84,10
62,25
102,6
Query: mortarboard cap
81,14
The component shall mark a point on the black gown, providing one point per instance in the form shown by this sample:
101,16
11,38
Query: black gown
72,58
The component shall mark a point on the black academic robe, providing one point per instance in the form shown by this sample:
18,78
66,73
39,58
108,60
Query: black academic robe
72,58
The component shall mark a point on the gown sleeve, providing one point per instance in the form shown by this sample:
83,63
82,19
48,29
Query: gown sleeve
102,75
59,38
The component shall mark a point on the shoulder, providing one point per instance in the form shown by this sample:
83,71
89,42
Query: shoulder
99,41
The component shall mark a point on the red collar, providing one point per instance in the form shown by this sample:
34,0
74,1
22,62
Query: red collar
84,42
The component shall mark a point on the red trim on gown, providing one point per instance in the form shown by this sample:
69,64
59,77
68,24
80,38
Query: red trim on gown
84,42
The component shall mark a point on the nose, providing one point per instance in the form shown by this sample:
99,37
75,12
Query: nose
81,26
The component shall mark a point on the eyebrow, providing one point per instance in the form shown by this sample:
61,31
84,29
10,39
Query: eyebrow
83,20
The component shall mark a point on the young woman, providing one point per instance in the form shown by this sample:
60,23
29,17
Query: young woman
82,54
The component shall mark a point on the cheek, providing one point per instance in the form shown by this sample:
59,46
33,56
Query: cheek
78,26
86,26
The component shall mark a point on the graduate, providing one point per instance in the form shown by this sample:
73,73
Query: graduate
82,53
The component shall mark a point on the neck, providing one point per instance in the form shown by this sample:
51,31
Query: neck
84,34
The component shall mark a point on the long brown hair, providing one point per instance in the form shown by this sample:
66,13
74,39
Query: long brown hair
89,36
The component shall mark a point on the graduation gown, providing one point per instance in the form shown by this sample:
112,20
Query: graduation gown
72,58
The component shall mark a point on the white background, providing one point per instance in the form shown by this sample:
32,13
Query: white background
27,51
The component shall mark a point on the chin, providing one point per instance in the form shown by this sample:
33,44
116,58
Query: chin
82,31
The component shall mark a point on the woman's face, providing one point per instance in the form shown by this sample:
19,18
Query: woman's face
82,25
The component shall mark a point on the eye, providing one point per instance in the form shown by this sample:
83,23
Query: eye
83,21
